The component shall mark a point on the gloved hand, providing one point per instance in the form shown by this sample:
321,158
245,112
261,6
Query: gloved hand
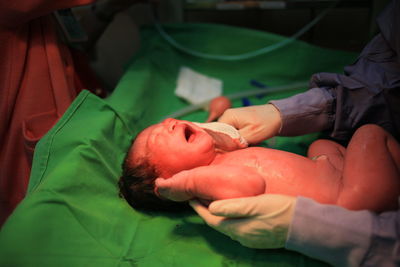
255,123
255,222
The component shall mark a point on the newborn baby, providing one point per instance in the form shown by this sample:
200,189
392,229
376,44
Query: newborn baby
181,161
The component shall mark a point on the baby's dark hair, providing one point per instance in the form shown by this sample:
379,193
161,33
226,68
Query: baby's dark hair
136,185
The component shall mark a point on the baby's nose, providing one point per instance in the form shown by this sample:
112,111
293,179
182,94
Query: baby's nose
168,120
170,124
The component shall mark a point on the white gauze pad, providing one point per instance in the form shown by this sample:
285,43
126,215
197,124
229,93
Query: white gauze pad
226,137
197,88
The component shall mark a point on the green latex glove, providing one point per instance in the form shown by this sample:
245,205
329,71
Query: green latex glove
255,222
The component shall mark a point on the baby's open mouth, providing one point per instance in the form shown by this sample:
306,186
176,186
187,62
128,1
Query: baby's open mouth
190,134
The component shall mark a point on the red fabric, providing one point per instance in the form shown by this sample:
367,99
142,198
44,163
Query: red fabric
38,82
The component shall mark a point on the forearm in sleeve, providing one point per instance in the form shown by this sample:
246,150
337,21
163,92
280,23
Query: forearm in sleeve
308,112
336,103
344,238
367,92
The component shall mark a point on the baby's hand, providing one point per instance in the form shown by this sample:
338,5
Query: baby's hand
174,188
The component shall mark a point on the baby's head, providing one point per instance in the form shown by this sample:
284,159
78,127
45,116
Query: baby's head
162,150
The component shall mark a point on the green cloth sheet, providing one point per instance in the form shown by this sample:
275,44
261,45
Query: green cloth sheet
72,214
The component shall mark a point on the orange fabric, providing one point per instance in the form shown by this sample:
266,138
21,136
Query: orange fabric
37,84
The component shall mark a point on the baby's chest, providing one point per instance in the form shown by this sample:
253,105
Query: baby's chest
240,158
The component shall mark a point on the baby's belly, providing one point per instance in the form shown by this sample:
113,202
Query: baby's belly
291,174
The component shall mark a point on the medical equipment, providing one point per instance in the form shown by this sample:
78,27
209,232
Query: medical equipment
242,56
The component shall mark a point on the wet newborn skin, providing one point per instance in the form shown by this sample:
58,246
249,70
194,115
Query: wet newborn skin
190,167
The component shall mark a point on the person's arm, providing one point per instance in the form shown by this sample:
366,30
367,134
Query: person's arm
335,103
325,232
340,104
308,112
345,238
366,93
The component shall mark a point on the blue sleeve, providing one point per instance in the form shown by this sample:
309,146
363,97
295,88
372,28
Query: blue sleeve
308,112
345,238
367,92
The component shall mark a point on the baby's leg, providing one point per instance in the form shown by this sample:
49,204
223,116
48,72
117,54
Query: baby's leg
333,151
371,177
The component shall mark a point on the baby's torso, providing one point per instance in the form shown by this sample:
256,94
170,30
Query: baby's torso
288,173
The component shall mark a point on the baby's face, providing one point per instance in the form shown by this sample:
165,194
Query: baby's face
174,145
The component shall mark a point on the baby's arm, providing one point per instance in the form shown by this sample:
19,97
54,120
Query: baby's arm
211,183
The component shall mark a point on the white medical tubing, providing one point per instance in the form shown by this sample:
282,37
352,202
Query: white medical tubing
189,109
247,55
